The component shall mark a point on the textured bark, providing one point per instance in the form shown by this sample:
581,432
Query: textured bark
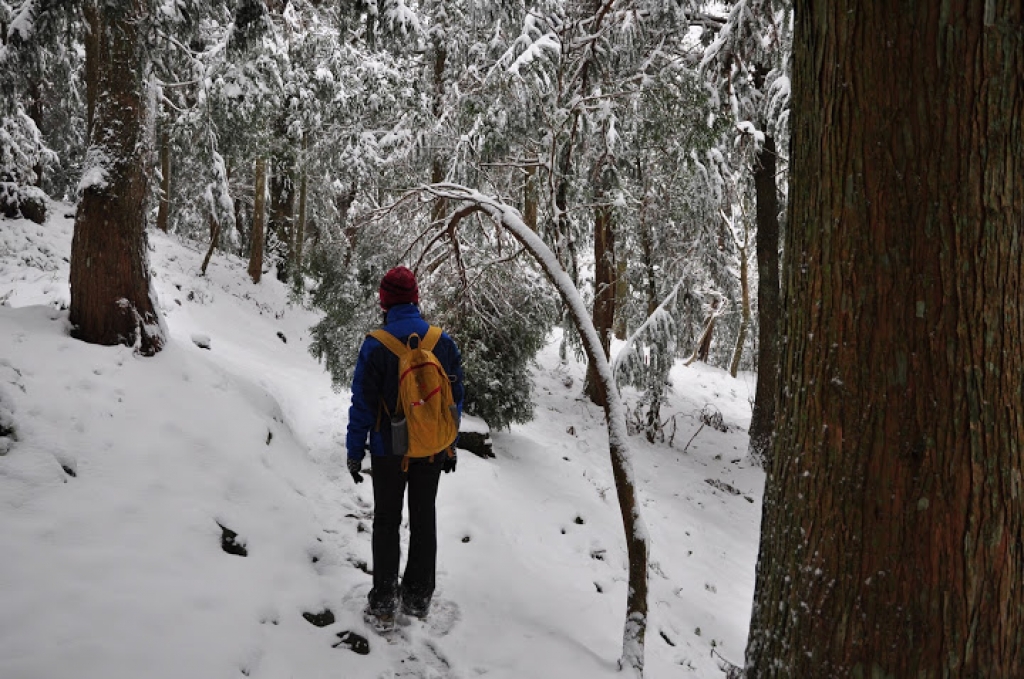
258,216
111,298
892,541
769,303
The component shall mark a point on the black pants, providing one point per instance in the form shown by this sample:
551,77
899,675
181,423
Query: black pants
389,484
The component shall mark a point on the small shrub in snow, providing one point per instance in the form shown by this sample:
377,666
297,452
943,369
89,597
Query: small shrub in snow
24,201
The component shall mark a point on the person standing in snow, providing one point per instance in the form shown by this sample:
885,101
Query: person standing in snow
374,397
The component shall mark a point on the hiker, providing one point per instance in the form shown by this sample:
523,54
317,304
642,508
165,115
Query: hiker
375,403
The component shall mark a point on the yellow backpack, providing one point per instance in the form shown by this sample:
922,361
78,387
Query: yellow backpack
425,421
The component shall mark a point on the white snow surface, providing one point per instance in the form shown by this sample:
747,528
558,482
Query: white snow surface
117,570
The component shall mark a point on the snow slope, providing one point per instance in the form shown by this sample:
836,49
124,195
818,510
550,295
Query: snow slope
123,473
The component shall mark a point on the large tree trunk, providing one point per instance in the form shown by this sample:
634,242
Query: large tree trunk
257,236
111,298
769,303
893,530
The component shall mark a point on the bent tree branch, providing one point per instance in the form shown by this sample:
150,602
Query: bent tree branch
637,539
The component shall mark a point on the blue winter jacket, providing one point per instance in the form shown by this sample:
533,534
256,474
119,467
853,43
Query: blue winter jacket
376,381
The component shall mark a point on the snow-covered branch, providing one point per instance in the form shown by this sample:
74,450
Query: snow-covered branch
637,537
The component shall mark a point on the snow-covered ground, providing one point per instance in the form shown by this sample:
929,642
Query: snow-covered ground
124,475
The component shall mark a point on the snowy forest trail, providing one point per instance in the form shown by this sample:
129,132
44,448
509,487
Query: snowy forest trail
121,570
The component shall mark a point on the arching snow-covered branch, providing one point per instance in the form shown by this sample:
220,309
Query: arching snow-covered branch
637,537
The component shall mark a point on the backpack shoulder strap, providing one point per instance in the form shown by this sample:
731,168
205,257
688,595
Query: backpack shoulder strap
431,338
389,341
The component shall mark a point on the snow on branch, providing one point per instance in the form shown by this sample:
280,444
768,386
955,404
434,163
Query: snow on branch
656,318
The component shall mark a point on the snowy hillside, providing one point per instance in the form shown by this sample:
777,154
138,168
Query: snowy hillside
131,487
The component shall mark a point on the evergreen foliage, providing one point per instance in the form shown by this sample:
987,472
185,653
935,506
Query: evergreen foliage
348,297
567,110
499,328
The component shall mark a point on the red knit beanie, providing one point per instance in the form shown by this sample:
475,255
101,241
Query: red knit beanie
398,287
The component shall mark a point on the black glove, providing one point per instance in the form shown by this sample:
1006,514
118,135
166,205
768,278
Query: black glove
449,462
354,468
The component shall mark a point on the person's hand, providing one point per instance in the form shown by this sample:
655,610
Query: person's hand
355,467
449,462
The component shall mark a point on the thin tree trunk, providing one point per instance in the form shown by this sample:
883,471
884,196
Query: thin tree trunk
371,27
343,203
656,387
281,217
243,237
769,304
214,236
530,198
621,294
440,206
703,350
92,41
164,211
741,336
893,531
112,301
300,227
604,295
258,215
35,112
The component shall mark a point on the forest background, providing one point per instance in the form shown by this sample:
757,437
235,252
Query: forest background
633,152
